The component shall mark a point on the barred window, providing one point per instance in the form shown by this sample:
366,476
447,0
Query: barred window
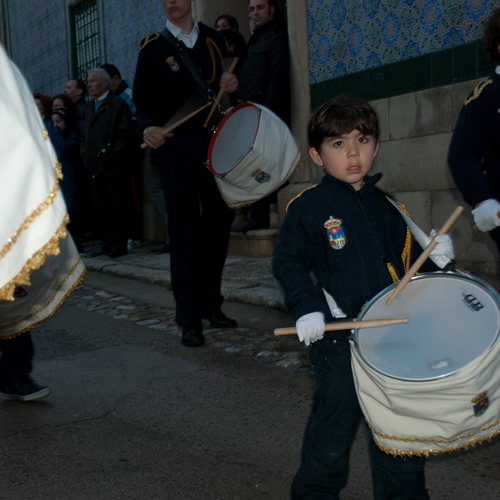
85,46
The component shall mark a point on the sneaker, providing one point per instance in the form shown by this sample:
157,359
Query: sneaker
24,390
133,244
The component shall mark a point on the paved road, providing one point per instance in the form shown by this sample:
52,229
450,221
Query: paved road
134,415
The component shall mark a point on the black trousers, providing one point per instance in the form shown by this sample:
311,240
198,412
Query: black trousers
112,199
17,356
198,222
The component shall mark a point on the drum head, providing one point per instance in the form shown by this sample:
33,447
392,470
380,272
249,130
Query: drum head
452,321
233,139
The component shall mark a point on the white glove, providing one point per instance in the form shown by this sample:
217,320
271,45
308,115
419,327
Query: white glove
444,251
486,215
310,327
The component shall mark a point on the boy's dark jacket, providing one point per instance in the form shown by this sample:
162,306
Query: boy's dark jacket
353,270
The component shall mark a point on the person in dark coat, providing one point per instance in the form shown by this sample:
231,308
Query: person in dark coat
198,238
77,90
265,79
65,136
107,134
474,153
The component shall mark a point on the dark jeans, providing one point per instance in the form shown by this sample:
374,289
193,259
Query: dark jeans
330,432
17,355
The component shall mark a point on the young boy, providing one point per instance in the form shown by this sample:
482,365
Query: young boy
345,238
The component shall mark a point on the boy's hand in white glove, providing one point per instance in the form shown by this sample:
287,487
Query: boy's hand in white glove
444,251
310,327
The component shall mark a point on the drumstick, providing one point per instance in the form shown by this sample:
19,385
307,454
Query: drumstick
168,129
347,325
219,95
425,254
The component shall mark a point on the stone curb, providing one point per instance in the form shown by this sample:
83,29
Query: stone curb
258,295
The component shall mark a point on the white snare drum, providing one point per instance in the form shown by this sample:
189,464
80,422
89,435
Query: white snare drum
431,385
251,154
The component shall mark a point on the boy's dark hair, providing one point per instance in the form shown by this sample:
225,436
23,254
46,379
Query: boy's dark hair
491,35
340,116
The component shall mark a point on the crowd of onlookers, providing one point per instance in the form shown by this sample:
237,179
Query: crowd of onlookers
100,156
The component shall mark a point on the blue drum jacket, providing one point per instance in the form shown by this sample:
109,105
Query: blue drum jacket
344,241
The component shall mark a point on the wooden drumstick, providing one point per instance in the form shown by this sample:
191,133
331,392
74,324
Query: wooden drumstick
219,95
425,254
347,325
168,129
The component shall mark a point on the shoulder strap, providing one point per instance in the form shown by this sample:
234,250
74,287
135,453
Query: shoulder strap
188,61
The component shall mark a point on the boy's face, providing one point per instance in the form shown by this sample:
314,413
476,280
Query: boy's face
348,157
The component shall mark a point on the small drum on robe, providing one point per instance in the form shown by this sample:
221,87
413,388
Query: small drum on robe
251,154
431,385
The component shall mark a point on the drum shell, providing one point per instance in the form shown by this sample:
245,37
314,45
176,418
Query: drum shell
273,152
430,416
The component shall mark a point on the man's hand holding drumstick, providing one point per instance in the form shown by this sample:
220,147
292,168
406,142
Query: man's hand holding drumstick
155,137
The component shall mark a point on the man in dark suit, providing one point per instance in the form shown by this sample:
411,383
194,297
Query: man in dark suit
76,90
198,239
107,134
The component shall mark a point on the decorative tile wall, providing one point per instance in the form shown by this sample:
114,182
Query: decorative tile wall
347,36
40,38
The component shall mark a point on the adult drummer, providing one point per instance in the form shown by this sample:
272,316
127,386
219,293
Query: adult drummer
474,154
199,220
347,236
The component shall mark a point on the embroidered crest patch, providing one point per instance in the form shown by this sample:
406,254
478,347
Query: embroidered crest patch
262,177
480,403
174,65
335,233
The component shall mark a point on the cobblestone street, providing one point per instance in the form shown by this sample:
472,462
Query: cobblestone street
263,347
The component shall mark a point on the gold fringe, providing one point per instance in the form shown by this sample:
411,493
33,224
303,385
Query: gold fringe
43,206
36,261
69,292
428,452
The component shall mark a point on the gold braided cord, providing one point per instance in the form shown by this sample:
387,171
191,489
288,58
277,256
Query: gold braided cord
477,91
211,44
36,261
392,271
61,302
426,453
406,255
43,206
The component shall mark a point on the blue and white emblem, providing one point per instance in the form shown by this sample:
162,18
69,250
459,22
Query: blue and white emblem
335,233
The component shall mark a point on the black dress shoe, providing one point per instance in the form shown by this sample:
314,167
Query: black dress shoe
101,251
219,320
117,252
192,336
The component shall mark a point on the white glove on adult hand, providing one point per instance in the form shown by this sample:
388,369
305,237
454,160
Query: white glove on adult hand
486,215
444,251
310,327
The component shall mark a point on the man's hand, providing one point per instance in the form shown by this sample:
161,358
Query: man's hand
228,83
154,138
486,215
310,327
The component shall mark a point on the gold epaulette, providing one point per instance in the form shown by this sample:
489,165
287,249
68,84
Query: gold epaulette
149,38
299,195
403,208
477,91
